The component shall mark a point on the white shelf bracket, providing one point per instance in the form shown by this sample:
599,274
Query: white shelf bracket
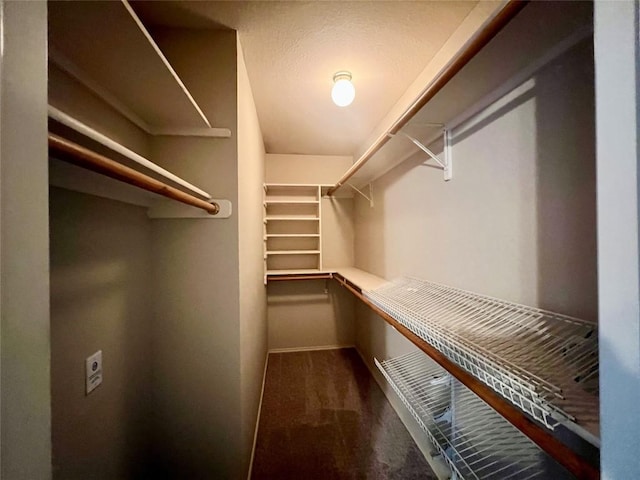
446,164
368,197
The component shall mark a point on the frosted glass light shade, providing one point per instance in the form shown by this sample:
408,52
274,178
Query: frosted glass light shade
343,91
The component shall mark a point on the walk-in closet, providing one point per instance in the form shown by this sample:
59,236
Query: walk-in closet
282,240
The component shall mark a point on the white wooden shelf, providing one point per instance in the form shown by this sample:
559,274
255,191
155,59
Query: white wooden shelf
293,186
292,235
297,271
361,279
293,252
292,229
292,218
105,46
291,202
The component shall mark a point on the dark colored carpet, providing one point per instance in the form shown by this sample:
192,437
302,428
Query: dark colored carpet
324,417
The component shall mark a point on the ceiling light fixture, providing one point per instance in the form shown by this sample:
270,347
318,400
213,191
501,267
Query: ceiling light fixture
343,91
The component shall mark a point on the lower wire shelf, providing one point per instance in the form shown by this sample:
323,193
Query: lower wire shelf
543,362
472,438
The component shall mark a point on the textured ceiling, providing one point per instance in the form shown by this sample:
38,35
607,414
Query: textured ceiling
292,49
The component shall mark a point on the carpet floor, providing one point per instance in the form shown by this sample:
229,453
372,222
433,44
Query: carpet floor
324,417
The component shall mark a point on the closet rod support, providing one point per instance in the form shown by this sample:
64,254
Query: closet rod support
368,197
446,163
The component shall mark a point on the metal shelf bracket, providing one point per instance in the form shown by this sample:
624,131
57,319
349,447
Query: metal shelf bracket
446,164
368,197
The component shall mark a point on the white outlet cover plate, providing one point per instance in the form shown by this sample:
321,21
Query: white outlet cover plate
93,371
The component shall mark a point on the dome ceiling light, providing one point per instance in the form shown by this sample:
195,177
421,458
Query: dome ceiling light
343,91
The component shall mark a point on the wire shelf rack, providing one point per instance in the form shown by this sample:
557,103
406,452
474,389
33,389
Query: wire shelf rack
474,440
543,362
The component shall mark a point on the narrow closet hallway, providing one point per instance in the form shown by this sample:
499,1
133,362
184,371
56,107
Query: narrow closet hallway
319,240
323,416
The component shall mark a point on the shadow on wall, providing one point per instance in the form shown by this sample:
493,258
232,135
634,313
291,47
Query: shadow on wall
100,276
337,232
566,193
566,184
369,240
563,98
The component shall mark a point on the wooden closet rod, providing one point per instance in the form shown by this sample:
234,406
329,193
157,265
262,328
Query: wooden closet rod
562,454
488,32
85,158
75,124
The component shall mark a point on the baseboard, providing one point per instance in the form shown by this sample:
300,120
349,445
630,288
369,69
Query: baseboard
309,349
255,433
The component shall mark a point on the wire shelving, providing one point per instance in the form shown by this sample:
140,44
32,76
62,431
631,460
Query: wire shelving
543,362
472,438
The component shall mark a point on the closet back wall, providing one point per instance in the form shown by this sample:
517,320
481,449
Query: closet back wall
315,313
101,288
100,300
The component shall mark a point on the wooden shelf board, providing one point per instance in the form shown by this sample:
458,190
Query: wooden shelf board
294,185
304,271
293,235
293,252
360,278
306,219
108,44
292,202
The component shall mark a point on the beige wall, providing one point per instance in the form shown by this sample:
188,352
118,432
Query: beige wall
25,416
100,291
253,301
309,314
196,335
517,221
314,313
337,232
314,169
73,98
